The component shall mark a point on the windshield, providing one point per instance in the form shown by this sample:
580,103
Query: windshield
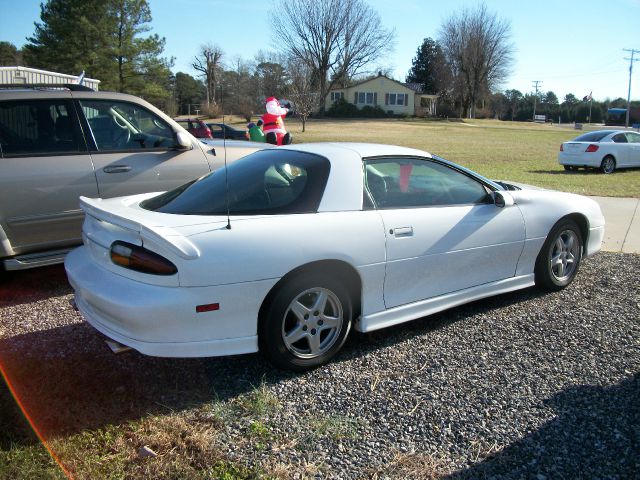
266,182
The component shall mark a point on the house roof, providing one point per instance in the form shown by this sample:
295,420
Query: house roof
416,87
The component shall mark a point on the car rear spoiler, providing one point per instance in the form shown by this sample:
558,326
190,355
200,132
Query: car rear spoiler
165,236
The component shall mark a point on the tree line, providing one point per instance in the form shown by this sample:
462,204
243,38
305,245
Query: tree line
323,45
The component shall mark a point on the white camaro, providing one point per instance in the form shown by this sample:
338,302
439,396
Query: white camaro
289,248
607,150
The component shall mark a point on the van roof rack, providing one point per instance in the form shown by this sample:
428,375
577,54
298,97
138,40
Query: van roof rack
74,87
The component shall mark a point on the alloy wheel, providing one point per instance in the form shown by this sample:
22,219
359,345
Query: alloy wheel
312,322
564,255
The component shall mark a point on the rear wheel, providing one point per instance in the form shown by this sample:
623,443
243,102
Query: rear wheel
306,322
569,168
608,164
558,261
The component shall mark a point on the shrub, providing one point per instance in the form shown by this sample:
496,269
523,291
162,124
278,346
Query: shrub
343,109
373,112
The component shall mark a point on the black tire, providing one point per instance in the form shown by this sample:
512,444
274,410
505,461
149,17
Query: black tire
569,168
608,165
278,319
559,258
271,138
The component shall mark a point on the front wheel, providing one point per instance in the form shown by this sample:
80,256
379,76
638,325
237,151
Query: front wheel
306,322
558,261
608,164
569,168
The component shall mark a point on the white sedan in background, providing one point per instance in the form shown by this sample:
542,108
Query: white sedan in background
290,248
607,150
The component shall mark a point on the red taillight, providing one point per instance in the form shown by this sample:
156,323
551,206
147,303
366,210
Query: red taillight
140,259
207,132
562,147
592,148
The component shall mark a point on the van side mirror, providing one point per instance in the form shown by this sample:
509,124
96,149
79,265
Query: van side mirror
502,199
183,142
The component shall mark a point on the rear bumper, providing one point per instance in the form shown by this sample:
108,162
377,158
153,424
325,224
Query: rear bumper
578,160
162,321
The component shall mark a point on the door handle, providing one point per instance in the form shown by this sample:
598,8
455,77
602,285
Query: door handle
402,231
117,169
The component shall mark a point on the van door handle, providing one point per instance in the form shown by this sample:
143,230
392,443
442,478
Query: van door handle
402,231
117,169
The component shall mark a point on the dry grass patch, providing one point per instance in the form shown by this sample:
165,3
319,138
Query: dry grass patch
411,465
158,447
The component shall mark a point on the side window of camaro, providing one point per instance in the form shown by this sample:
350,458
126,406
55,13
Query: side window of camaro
412,182
119,126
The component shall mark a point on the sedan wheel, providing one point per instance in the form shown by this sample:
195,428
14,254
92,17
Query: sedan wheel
608,164
558,261
569,168
306,322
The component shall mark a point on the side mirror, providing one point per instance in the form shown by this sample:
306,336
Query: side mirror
502,199
183,142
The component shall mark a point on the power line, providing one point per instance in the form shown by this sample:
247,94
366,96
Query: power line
535,85
631,60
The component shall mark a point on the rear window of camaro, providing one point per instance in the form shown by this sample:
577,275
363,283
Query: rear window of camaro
266,182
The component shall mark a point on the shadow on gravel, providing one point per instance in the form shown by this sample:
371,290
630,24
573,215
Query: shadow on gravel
359,344
21,287
596,434
69,381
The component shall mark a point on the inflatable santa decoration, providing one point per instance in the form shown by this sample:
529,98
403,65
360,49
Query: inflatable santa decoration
273,127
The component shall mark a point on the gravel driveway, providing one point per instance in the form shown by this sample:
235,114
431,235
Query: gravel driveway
525,385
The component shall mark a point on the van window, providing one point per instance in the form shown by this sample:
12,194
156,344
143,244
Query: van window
39,127
125,126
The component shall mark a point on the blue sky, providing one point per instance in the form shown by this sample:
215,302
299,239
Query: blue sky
570,46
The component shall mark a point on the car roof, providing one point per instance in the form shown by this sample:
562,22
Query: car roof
25,93
363,150
604,131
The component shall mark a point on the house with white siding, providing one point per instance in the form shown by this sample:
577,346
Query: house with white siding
393,97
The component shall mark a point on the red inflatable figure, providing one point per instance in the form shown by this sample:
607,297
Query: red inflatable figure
273,127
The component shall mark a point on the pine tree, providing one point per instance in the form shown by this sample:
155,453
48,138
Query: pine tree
105,39
428,67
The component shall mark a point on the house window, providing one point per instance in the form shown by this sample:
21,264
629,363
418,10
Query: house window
365,98
335,96
397,99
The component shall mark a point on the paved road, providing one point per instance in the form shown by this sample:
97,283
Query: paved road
622,232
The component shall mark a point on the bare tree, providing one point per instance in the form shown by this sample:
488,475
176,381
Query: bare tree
208,63
335,39
477,46
301,90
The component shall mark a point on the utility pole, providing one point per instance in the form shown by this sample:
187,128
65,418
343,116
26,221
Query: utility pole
631,60
535,99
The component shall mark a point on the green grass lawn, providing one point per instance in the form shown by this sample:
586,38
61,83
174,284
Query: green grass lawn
521,152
